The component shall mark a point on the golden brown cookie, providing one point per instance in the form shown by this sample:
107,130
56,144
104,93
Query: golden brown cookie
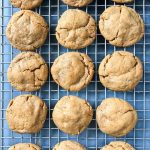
27,72
76,29
25,146
26,4
123,1
72,114
120,71
116,117
72,71
26,114
121,26
69,145
118,145
77,3
27,30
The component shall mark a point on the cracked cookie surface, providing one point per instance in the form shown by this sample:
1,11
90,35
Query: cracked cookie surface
72,70
26,4
123,1
69,145
120,71
26,114
116,117
27,72
121,26
77,3
25,146
118,145
27,30
73,31
72,114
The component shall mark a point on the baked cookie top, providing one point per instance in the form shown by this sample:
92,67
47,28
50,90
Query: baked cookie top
116,117
121,26
73,31
69,145
27,72
120,71
123,1
72,70
25,146
118,145
26,114
72,114
77,3
26,4
27,30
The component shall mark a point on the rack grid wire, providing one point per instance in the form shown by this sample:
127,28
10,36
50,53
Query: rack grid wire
92,138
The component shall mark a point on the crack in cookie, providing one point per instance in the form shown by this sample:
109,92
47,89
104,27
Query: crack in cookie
73,31
26,114
26,4
116,117
27,72
121,26
118,145
27,30
120,71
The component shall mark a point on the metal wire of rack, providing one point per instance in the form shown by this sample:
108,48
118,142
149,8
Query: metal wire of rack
92,138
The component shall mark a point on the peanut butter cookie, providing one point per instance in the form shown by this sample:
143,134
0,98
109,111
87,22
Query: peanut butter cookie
26,114
69,145
77,3
116,117
118,145
76,29
72,114
26,4
121,26
72,71
120,71
27,71
27,30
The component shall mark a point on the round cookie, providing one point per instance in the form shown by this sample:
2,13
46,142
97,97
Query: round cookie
121,26
76,3
72,70
73,31
116,117
120,71
27,72
27,30
72,114
123,1
69,145
25,146
118,145
26,4
26,114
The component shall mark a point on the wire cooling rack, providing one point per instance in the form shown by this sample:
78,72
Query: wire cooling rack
92,138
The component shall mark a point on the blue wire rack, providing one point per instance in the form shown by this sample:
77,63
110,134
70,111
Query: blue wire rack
92,138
